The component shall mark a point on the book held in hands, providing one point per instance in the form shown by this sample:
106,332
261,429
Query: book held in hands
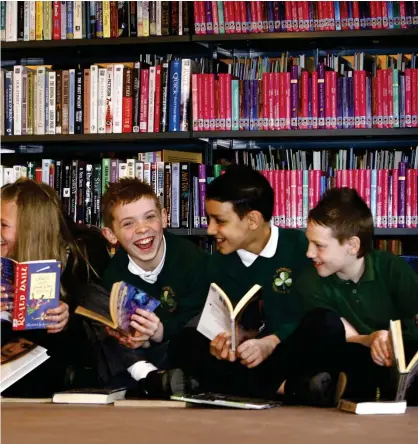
19,357
123,302
33,288
220,316
403,376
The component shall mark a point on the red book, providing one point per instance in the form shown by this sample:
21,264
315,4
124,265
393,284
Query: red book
276,189
222,101
229,17
228,102
315,102
385,104
414,198
402,14
408,199
294,12
288,202
379,199
265,91
127,101
414,98
200,101
337,178
299,198
275,79
287,108
385,203
368,186
331,16
356,14
395,191
205,102
282,197
390,98
114,24
301,25
56,32
408,98
143,109
237,16
259,16
157,100
379,99
243,9
304,100
314,187
288,15
211,102
360,179
215,17
385,15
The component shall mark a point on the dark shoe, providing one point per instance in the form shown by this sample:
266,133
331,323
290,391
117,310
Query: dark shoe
161,384
321,390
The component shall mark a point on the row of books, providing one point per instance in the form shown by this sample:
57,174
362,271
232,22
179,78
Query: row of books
112,98
392,195
239,17
299,99
154,94
61,20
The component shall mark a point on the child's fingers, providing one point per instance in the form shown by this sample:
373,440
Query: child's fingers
147,314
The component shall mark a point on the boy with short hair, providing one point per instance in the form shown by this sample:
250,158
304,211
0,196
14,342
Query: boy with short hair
365,287
285,357
167,267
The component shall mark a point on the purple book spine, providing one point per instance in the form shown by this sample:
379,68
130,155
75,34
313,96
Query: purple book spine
114,165
369,123
402,194
294,97
270,16
350,94
310,104
276,16
209,19
414,14
345,98
196,203
340,102
247,104
202,195
321,96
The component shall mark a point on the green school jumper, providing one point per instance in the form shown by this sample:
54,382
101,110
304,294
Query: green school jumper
387,290
179,286
276,275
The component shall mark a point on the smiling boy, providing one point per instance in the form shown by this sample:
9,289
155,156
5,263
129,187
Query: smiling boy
166,266
251,250
365,287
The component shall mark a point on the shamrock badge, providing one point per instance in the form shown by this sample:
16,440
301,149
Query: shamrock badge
282,280
167,299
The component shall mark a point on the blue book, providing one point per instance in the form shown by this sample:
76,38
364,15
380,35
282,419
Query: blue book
174,98
34,288
70,20
124,300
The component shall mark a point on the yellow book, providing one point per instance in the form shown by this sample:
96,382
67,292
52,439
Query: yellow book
106,19
47,20
39,35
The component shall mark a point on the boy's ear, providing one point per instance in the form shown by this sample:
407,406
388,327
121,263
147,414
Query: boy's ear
255,219
164,217
354,245
109,235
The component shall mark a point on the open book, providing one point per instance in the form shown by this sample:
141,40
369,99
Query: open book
123,302
33,287
404,374
19,357
220,316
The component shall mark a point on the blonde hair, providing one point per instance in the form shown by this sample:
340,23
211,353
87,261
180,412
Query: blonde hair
41,226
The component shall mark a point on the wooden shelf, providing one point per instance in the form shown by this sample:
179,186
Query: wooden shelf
300,134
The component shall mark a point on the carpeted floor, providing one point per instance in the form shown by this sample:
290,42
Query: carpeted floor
62,424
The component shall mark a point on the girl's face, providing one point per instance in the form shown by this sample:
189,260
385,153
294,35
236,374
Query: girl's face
8,227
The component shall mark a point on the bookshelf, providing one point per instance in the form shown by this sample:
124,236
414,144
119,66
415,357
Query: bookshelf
85,51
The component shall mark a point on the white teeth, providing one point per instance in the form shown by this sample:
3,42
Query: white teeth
219,240
145,241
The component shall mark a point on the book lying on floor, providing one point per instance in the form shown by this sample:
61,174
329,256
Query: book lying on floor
373,407
123,302
150,403
405,373
89,396
220,316
19,357
219,400
34,287
7,400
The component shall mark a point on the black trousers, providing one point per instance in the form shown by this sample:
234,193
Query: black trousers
310,349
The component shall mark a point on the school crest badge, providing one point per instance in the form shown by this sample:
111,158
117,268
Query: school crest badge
282,280
167,299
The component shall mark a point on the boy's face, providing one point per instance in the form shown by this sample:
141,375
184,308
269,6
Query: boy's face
328,255
138,226
231,232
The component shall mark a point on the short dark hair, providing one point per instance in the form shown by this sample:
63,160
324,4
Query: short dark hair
246,189
122,192
346,213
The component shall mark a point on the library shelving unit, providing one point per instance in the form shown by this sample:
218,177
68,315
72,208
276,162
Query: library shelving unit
74,52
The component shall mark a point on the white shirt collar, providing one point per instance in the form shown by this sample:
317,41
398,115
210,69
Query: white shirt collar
148,276
248,258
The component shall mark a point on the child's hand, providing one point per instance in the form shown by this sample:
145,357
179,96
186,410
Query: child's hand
254,351
6,298
220,347
380,348
132,342
59,316
147,324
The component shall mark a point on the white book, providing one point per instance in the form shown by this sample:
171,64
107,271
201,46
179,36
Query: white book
17,172
8,175
23,171
117,97
1,176
52,86
89,396
139,19
109,104
158,18
93,98
151,99
101,102
373,408
180,18
17,99
41,74
139,170
78,19
32,21
46,165
63,20
19,357
145,19
147,173
11,21
160,182
130,170
26,21
122,170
